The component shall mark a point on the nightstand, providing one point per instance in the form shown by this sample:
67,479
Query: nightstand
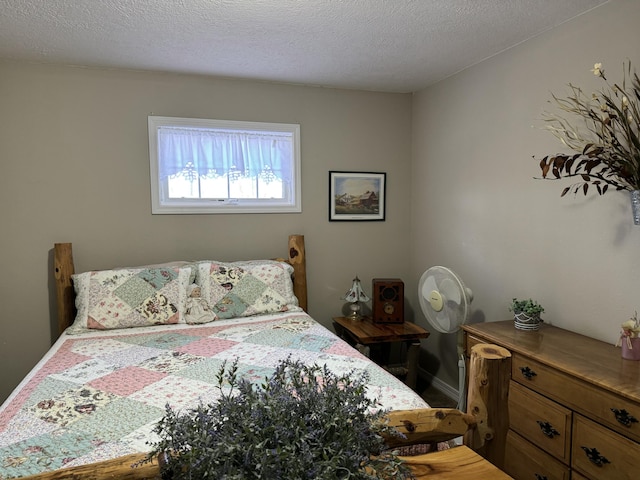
379,337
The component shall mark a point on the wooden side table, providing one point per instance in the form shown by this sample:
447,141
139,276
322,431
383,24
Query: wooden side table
367,333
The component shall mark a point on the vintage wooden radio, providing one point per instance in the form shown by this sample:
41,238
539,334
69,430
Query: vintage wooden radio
388,300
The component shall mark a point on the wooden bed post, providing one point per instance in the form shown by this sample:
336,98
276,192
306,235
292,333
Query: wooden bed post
298,260
487,400
62,271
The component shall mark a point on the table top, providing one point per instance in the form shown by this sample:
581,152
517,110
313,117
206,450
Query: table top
367,332
459,463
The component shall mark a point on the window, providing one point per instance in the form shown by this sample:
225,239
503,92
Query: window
220,166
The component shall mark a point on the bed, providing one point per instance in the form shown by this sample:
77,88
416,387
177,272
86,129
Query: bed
133,339
127,347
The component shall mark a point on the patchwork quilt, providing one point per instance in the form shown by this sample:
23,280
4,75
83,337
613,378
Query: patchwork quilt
98,395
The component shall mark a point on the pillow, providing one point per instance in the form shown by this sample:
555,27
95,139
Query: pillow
243,289
174,264
130,297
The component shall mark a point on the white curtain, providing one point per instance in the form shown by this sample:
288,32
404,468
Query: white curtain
221,152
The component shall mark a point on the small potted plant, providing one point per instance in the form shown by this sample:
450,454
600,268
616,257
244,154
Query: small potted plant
303,422
526,313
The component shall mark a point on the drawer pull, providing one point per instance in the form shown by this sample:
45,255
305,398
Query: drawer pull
623,417
547,429
528,373
540,477
594,456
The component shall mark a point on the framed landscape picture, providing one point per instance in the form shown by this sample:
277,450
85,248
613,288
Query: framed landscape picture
357,196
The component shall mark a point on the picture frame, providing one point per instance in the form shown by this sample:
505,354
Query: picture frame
357,196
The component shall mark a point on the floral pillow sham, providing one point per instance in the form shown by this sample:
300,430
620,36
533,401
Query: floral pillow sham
130,297
247,288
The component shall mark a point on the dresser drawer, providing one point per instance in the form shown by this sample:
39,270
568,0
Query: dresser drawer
576,476
541,421
603,406
602,454
471,341
525,461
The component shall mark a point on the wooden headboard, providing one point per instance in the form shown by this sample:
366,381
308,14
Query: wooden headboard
63,269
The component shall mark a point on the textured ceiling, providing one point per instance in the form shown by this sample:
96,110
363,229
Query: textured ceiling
383,45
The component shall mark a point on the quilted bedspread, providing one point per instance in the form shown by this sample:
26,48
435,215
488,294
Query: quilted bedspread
98,395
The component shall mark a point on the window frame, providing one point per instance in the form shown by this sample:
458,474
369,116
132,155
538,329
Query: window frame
162,205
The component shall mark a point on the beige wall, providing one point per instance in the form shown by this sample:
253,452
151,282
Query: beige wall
75,167
478,210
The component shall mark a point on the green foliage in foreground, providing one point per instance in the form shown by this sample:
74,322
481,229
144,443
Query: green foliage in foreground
303,422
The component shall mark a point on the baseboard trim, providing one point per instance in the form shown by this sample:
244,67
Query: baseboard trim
445,388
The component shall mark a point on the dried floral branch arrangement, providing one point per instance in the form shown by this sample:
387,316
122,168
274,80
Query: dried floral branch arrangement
608,146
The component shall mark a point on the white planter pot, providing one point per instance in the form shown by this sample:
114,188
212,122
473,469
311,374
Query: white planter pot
522,321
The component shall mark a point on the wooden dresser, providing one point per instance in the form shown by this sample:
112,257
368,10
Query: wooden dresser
574,404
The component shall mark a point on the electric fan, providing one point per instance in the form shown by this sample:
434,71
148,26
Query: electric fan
445,300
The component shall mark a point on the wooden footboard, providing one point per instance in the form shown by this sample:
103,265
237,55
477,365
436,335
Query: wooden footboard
458,463
63,268
127,467
421,425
